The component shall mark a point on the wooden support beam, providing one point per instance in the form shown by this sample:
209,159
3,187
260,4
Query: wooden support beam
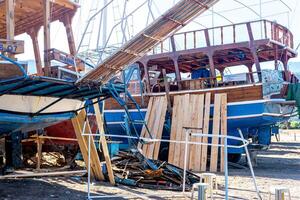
175,61
146,74
47,39
103,141
167,90
253,50
78,124
212,66
39,146
10,21
67,21
33,33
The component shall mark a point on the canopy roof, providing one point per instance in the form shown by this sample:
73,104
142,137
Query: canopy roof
29,14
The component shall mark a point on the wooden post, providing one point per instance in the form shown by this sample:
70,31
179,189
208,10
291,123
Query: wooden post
177,72
167,90
212,65
47,42
250,72
10,21
33,32
100,125
253,50
67,21
39,145
175,60
147,78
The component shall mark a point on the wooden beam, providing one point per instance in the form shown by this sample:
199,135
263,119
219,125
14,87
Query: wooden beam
33,32
223,127
39,146
47,39
215,131
103,141
175,61
10,19
67,21
78,124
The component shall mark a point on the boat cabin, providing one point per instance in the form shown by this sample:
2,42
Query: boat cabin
199,59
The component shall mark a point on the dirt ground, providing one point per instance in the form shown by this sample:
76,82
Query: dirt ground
280,165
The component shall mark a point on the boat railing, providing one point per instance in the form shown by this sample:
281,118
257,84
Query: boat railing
227,34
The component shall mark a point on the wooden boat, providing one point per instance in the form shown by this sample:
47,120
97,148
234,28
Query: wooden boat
256,100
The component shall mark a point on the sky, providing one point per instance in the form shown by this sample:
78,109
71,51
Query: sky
285,12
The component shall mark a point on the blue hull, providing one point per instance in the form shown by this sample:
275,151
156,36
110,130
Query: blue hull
13,122
255,118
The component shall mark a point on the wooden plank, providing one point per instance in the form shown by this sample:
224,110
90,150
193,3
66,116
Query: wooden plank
81,143
205,131
161,127
155,125
215,131
78,123
100,125
186,123
223,127
173,129
196,110
156,118
179,122
150,122
144,130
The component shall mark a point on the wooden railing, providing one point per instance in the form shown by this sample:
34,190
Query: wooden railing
228,34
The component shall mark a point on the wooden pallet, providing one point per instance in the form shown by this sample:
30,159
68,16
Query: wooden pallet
155,119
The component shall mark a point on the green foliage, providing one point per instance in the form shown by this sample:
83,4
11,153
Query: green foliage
295,124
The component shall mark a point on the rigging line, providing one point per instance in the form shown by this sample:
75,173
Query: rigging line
217,13
239,8
286,5
247,7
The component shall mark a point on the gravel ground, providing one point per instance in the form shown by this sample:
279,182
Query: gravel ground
280,165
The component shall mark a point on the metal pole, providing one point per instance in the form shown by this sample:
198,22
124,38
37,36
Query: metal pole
250,165
187,133
89,167
226,167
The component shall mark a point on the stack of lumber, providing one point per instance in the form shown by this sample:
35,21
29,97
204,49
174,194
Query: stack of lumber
155,119
193,110
82,126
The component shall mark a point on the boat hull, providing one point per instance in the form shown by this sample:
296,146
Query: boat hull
252,117
28,113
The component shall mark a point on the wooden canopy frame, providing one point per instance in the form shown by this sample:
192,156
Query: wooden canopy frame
28,16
